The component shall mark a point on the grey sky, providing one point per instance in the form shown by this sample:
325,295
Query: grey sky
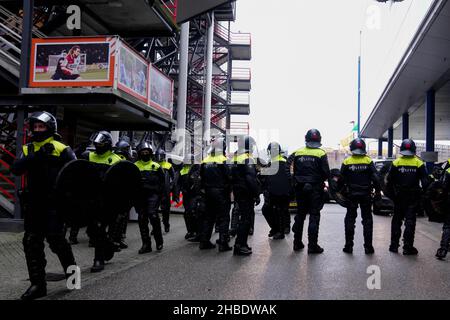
304,66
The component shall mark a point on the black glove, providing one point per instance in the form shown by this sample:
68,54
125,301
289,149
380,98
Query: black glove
257,201
47,149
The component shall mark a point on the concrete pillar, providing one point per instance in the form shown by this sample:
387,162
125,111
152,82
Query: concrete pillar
390,142
380,148
405,126
208,88
430,111
27,28
182,85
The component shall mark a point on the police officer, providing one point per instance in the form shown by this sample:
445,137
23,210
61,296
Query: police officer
311,169
445,240
42,159
123,149
102,158
360,176
189,186
405,181
277,188
149,198
119,227
246,190
216,183
169,173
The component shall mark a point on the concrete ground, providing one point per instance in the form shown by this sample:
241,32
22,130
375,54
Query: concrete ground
273,271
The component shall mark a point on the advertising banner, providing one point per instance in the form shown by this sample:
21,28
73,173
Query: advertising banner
72,62
132,74
161,91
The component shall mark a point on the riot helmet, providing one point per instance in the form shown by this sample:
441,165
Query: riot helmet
160,155
102,141
123,148
358,147
408,148
274,149
145,151
48,120
313,139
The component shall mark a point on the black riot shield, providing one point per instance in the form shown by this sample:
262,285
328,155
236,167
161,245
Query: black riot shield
121,184
438,196
337,188
78,188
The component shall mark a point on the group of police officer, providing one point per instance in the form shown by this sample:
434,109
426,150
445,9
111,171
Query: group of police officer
208,188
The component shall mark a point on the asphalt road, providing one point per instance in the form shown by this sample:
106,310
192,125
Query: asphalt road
273,271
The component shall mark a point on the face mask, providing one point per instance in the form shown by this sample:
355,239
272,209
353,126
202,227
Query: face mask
146,158
101,150
40,136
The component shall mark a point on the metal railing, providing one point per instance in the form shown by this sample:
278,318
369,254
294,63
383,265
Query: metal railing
236,38
14,23
172,8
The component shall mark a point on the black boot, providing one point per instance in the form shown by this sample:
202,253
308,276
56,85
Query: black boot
223,243
298,245
393,248
241,250
98,266
410,251
368,249
35,291
441,253
314,248
348,249
146,247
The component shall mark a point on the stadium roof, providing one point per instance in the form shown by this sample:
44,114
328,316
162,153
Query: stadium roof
424,66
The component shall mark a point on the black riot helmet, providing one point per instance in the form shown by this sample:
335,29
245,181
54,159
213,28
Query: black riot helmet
160,155
46,118
247,144
408,148
145,146
102,141
313,139
358,147
123,148
218,146
274,149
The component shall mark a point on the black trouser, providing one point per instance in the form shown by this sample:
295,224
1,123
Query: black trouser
246,211
405,206
309,200
39,226
148,210
274,210
445,241
287,216
191,212
118,228
234,217
103,248
365,203
217,208
165,208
